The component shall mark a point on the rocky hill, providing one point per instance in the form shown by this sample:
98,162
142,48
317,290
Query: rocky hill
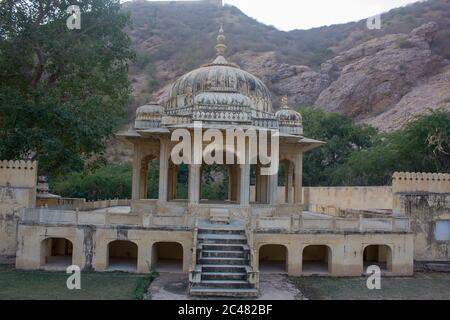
382,77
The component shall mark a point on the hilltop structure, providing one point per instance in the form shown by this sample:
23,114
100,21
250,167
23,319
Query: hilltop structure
223,244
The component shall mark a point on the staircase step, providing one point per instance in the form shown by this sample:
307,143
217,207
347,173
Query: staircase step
223,261
224,276
225,284
219,268
222,254
229,293
221,239
221,231
224,247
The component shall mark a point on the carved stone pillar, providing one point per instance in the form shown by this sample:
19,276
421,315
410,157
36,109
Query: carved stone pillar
298,179
164,171
194,183
289,182
137,169
273,189
245,185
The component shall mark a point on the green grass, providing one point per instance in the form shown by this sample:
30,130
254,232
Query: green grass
40,285
429,286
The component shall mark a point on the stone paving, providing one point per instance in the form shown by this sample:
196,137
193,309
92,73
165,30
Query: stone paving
172,286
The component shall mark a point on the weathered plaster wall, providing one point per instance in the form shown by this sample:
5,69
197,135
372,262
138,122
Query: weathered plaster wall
332,199
91,245
18,181
425,210
346,250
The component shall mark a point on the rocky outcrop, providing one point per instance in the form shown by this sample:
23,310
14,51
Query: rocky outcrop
302,84
374,77
433,93
384,82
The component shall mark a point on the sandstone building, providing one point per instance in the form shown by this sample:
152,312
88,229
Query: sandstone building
224,245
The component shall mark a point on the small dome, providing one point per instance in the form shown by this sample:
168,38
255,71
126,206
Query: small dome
290,121
149,110
149,116
288,114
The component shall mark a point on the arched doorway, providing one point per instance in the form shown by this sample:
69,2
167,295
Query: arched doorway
56,253
122,256
273,258
379,255
167,257
317,259
219,184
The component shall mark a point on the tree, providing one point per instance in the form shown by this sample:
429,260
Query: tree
342,137
63,92
422,146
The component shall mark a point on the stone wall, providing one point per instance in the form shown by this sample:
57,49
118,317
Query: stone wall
425,198
18,181
335,200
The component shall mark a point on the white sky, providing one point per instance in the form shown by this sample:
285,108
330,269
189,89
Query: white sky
305,14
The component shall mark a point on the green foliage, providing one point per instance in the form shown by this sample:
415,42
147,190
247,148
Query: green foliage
422,146
356,155
108,182
215,183
63,91
143,284
342,138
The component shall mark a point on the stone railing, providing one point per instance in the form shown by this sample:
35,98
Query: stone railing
83,205
195,273
70,217
300,224
253,273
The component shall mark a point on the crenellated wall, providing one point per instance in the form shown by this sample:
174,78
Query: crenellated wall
411,182
425,198
18,181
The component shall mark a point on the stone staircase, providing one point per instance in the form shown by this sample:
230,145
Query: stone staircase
223,264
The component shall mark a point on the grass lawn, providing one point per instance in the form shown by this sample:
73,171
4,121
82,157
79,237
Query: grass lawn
423,286
40,285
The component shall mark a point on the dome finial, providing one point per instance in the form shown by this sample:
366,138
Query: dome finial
221,47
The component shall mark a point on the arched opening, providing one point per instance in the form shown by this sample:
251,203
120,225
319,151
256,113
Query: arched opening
56,253
286,180
167,257
378,255
149,178
219,183
317,259
273,258
178,182
122,256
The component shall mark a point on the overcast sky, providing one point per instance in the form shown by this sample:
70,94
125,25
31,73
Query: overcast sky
305,14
